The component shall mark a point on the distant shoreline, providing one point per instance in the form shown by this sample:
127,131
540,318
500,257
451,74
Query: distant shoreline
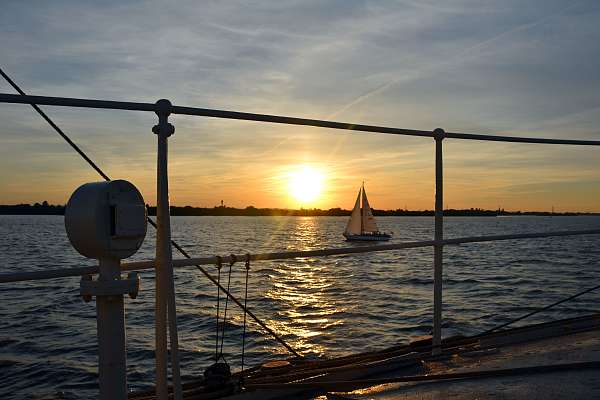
49,209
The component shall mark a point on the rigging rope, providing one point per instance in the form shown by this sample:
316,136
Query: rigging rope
247,265
539,310
56,128
219,266
150,221
233,260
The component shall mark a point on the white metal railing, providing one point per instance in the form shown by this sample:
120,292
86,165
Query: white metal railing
206,112
165,298
285,255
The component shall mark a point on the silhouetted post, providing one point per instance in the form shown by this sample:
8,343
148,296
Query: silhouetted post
96,228
110,317
165,287
439,135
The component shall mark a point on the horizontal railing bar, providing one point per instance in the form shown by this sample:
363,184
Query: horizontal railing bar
539,235
205,112
75,102
47,274
519,139
277,119
187,262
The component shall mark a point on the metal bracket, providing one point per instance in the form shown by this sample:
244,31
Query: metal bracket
89,287
163,110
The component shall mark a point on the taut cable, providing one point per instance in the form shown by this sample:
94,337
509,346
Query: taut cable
233,260
150,221
247,265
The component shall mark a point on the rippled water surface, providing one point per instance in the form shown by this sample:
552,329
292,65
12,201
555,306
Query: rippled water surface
322,306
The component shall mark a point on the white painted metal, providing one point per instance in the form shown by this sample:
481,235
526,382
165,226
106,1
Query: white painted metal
162,262
124,231
278,119
165,287
111,336
439,245
189,262
193,261
106,219
89,287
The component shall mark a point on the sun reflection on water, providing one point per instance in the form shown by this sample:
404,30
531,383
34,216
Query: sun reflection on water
306,310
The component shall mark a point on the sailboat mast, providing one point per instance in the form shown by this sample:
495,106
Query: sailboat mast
362,209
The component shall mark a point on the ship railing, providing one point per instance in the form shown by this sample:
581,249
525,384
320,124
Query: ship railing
144,265
164,262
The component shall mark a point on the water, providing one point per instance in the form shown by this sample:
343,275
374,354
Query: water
323,307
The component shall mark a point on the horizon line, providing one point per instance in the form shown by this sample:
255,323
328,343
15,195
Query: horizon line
45,204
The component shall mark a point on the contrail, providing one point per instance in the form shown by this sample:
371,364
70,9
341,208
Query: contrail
458,57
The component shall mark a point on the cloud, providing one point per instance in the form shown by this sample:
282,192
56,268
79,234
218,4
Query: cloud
512,67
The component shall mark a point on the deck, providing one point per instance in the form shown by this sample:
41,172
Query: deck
561,358
575,384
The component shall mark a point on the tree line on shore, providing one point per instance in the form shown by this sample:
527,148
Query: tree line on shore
49,209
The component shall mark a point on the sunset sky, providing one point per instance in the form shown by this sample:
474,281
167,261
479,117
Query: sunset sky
506,67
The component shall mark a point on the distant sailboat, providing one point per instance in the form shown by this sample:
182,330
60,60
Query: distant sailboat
362,225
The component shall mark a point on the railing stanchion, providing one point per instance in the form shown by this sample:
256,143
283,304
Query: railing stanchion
110,318
165,288
439,246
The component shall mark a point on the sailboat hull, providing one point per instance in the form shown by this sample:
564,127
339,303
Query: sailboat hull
368,237
362,226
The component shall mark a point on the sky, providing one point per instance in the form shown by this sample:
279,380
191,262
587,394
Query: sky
527,68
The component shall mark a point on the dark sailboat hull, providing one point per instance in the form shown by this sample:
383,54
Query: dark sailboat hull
368,237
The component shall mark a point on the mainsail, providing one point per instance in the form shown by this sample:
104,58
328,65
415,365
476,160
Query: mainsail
362,225
354,224
368,221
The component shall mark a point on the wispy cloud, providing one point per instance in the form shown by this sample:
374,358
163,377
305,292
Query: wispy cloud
515,67
457,58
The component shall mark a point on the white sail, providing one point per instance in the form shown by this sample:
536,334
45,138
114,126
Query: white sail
368,221
354,224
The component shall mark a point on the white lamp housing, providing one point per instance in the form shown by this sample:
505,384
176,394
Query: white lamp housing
106,219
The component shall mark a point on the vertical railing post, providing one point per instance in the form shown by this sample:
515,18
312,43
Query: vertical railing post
165,288
439,135
111,335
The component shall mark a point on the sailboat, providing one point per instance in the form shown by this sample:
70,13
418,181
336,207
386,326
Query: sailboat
362,225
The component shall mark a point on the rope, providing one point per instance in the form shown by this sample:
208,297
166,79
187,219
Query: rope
234,299
150,221
219,266
245,303
539,310
56,128
233,260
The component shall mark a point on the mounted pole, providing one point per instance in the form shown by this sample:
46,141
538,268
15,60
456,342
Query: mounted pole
438,247
91,270
107,221
110,318
165,287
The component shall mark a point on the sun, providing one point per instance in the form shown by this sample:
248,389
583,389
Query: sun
305,184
